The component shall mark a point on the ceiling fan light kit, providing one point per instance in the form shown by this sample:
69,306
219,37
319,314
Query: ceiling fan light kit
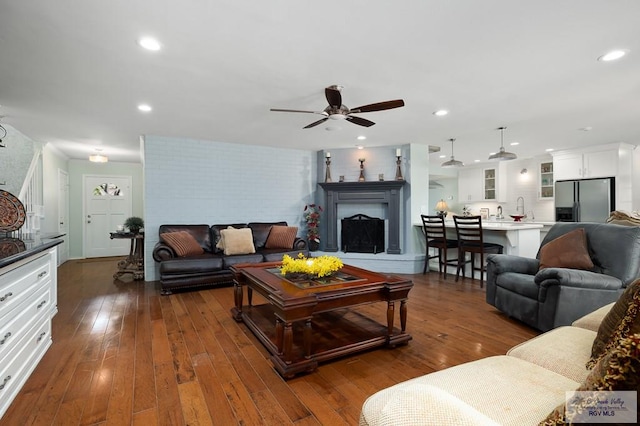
337,111
502,155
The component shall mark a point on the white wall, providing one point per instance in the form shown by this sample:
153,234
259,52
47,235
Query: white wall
52,160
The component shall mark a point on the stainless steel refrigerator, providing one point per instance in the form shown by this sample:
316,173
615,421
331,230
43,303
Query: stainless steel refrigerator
585,200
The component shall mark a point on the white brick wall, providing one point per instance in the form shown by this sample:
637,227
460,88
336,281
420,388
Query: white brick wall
192,181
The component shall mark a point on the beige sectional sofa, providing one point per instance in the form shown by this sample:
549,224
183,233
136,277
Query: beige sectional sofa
519,388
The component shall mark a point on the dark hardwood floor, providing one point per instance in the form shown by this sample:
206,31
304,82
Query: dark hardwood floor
123,354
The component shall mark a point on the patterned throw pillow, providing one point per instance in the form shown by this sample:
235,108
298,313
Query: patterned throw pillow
182,242
281,237
567,251
615,370
237,241
622,320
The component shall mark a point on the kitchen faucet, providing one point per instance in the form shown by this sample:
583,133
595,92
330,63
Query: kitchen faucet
520,207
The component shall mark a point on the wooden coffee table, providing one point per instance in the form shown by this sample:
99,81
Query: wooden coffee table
302,323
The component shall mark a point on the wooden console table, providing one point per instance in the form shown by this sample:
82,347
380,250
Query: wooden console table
134,262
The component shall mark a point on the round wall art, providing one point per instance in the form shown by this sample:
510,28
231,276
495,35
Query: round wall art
12,214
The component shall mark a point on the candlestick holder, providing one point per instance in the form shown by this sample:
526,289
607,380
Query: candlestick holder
398,170
327,175
361,177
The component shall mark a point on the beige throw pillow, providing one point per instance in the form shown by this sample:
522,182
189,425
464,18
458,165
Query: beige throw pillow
237,241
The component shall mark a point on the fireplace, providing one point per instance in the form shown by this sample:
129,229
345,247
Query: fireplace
362,234
374,192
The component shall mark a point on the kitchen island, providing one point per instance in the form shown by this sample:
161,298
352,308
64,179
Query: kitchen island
517,238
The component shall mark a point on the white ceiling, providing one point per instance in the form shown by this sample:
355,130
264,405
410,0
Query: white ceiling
71,72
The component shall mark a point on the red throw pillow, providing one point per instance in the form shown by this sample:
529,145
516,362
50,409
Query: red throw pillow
567,251
281,237
182,242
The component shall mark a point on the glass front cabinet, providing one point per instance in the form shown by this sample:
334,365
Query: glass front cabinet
545,181
490,184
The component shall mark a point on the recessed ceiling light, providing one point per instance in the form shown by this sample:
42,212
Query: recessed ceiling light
613,55
441,113
361,137
359,146
476,161
144,108
150,44
549,149
442,156
514,143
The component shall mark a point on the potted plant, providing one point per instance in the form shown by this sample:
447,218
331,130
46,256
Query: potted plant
134,224
312,217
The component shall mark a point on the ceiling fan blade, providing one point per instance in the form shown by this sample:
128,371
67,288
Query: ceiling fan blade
360,121
380,106
296,110
333,97
315,123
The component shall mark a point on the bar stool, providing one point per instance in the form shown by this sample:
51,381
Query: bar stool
469,232
435,237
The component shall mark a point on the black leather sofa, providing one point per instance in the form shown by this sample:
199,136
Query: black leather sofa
552,297
211,268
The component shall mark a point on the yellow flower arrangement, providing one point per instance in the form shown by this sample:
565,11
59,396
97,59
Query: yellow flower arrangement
320,266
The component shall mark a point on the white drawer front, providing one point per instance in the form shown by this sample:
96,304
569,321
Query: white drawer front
20,362
18,284
14,327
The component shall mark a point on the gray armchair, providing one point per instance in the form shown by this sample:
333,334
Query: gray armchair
552,297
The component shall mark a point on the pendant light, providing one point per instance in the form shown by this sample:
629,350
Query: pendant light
453,162
502,155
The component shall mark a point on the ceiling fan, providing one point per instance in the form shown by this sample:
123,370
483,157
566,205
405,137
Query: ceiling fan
337,111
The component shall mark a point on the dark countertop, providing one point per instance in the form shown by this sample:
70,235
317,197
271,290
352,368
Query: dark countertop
14,249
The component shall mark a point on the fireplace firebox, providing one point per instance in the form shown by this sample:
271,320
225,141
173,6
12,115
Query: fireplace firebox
362,234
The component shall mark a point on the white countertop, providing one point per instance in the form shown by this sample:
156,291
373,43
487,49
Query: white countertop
502,225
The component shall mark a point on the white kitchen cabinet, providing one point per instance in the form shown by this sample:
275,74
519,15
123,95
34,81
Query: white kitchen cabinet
586,164
28,290
470,185
478,184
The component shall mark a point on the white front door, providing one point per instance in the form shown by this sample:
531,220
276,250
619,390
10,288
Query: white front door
63,215
107,204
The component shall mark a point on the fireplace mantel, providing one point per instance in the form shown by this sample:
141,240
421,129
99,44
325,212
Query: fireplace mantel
374,192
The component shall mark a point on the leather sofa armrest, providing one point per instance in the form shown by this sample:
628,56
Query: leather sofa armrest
576,278
508,263
299,244
161,252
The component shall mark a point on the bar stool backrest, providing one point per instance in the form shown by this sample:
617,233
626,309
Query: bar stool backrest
469,229
433,227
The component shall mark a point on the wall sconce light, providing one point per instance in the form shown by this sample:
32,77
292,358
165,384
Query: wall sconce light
523,172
